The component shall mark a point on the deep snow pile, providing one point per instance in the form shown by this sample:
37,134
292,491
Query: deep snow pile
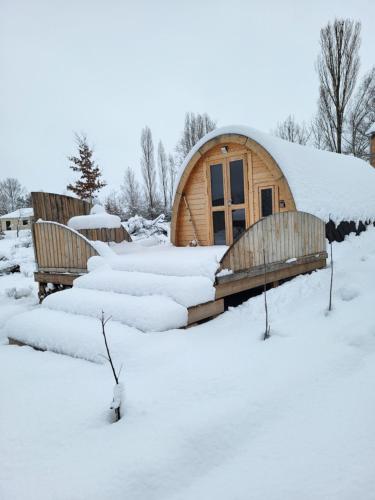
17,251
211,412
145,287
166,259
97,219
17,290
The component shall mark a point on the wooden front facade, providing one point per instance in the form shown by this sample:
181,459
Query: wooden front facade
228,185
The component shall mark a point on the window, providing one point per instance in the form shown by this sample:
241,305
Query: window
266,202
217,185
236,182
8,225
218,219
238,222
25,222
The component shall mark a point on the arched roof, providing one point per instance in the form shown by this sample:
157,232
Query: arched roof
328,185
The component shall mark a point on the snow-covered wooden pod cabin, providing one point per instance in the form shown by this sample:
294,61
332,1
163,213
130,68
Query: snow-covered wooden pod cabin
236,175
271,201
249,209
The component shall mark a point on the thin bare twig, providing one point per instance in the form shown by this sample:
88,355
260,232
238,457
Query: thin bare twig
268,327
331,284
115,376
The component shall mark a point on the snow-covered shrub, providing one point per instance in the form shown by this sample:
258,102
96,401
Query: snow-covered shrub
24,240
140,228
18,292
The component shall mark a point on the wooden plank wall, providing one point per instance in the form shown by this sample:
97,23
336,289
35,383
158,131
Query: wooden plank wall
284,236
57,207
60,249
260,174
197,197
116,235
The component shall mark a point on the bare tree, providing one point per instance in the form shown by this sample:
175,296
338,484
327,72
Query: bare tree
360,116
113,204
196,126
12,195
148,171
131,194
337,66
163,175
292,131
172,173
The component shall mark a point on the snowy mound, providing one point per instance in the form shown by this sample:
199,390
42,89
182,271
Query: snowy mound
98,219
213,412
328,185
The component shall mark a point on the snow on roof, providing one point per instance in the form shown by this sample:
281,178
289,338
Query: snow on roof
20,213
325,184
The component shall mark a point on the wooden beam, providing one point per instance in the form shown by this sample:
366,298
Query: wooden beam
56,279
230,287
204,311
273,266
19,343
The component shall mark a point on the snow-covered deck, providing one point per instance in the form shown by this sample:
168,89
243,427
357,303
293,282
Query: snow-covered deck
160,287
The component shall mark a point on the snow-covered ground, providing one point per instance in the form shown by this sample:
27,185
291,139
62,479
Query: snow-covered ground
18,292
210,412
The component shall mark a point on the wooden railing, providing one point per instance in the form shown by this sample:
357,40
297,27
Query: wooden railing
282,238
59,249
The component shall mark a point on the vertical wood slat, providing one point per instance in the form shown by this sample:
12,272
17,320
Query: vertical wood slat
58,208
286,235
116,235
58,247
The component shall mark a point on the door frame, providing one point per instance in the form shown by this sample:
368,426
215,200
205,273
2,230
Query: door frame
227,207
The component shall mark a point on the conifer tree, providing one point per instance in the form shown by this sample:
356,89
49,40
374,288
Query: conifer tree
90,180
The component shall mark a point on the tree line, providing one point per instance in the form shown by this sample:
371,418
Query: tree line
13,196
346,105
152,194
345,112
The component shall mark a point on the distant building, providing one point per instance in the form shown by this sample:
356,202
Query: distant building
20,219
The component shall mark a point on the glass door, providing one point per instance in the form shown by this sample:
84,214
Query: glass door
218,205
236,202
228,199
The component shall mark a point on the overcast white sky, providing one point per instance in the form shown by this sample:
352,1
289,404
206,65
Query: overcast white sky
110,67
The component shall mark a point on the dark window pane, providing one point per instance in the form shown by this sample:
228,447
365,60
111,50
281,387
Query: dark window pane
266,196
217,186
236,182
239,222
219,227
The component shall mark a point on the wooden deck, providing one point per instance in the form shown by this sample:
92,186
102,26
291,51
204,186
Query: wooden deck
275,248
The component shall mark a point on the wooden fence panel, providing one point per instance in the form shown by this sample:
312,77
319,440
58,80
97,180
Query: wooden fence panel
57,207
277,238
116,235
61,249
